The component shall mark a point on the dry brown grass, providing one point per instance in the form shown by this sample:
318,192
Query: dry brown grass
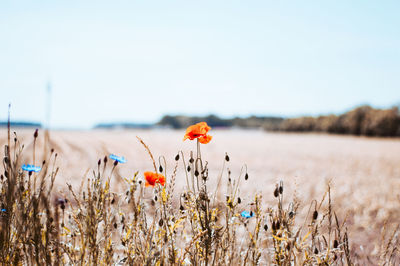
364,175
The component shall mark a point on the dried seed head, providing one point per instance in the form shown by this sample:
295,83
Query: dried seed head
115,225
99,162
52,150
6,173
251,213
291,214
191,160
315,251
196,173
315,215
188,168
161,222
181,208
105,159
335,243
155,198
35,135
227,158
15,139
280,189
112,201
177,157
246,176
239,200
44,162
160,169
266,227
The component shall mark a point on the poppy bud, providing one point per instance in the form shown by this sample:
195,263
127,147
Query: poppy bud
155,198
276,192
115,225
44,162
291,214
278,225
112,201
246,176
160,169
315,251
191,160
251,213
315,215
15,139
35,135
115,163
227,158
177,157
105,159
335,243
239,200
265,227
196,173
161,222
188,168
181,208
52,150
99,162
280,189
273,226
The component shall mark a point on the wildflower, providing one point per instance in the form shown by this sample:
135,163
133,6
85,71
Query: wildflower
3,210
120,159
198,131
31,168
153,178
247,214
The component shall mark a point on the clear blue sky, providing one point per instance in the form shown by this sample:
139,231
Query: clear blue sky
138,60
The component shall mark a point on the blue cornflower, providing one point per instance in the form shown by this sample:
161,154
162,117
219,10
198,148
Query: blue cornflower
120,159
3,210
247,214
31,168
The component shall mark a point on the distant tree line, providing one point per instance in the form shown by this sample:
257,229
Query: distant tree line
181,121
363,120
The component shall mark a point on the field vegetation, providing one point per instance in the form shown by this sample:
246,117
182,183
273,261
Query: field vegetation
179,211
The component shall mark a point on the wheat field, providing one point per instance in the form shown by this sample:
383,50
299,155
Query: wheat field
364,173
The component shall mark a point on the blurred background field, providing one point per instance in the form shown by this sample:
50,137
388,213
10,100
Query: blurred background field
364,172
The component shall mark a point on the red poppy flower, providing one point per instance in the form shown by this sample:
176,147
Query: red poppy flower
199,131
153,178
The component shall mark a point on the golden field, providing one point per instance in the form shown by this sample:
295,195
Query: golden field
364,173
